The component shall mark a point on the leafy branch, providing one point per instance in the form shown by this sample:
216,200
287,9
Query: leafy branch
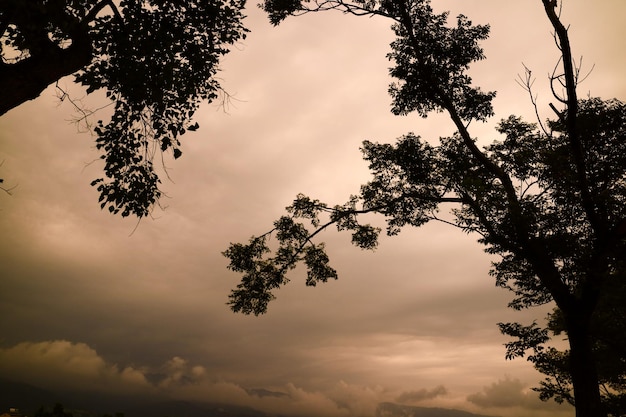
263,274
278,10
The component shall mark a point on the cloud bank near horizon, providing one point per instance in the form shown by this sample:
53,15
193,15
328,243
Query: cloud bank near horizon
63,366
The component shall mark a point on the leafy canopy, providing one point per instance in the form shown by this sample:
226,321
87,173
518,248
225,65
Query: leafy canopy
155,60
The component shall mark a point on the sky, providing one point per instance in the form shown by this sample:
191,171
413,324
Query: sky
94,302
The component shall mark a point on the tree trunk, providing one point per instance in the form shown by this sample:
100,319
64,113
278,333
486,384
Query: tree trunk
47,61
26,79
583,367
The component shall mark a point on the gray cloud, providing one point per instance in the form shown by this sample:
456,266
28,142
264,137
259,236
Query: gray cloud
61,364
504,393
420,395
513,393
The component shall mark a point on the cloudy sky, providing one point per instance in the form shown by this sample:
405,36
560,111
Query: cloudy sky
97,302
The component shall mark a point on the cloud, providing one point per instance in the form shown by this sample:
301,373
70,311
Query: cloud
64,365
511,393
504,393
356,399
422,394
60,364
337,400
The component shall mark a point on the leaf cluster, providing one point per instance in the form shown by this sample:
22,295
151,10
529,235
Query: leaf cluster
408,181
263,274
157,63
609,348
431,63
551,197
431,57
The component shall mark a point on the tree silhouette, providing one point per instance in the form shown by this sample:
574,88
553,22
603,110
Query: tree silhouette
57,411
549,200
155,60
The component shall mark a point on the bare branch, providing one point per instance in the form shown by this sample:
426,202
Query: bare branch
9,191
553,77
527,188
458,226
527,84
578,69
84,113
571,100
226,100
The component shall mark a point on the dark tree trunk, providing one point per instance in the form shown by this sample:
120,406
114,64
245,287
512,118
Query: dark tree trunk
583,366
26,79
47,61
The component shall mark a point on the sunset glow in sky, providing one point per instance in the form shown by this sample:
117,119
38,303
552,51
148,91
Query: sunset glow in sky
94,302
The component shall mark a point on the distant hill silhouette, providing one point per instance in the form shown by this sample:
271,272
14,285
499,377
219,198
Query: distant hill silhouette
262,392
24,397
189,409
398,410
29,398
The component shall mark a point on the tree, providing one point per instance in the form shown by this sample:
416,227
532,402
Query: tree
608,330
155,60
57,411
548,199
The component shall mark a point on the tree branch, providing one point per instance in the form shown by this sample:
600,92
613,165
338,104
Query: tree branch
533,249
527,84
571,101
2,188
25,79
91,15
347,8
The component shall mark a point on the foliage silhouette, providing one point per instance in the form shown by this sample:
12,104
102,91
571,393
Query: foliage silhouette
156,61
57,411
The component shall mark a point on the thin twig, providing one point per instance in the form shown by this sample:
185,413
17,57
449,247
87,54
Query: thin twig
527,83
